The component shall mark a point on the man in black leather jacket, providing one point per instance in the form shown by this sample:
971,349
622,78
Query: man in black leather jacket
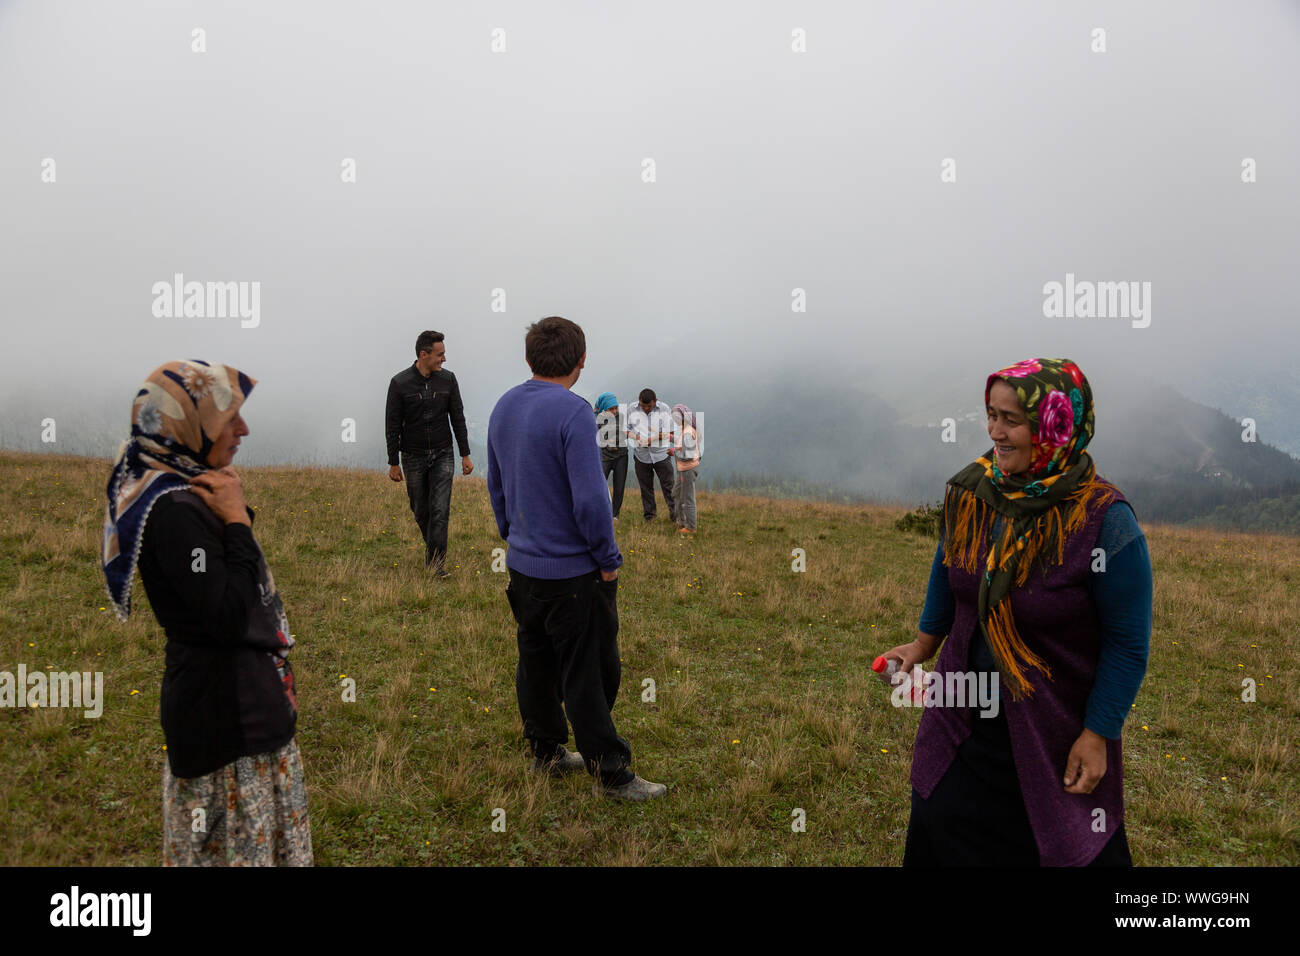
422,400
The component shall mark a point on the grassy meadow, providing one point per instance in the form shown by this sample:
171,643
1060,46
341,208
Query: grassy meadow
763,698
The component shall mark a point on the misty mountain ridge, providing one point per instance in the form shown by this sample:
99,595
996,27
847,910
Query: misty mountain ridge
827,436
1175,459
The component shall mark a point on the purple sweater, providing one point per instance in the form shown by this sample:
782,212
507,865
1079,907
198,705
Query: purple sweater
548,492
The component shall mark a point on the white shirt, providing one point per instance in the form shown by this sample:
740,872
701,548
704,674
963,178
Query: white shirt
643,426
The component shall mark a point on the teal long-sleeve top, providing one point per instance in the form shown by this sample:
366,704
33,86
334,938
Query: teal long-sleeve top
1123,598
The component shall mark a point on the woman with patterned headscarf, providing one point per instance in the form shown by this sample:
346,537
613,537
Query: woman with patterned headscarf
176,510
1042,585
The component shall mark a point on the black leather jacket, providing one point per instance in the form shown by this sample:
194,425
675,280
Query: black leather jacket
417,414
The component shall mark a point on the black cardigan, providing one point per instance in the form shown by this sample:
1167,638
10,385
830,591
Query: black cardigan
222,692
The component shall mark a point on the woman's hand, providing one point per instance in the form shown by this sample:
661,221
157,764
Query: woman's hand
1086,764
917,652
223,492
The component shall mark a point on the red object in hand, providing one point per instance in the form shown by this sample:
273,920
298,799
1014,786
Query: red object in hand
885,668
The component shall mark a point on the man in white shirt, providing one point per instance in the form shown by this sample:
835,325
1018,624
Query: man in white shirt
650,435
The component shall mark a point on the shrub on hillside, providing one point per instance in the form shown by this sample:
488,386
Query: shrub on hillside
924,520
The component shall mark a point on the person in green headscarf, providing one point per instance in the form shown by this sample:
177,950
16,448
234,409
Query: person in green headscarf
1041,583
611,434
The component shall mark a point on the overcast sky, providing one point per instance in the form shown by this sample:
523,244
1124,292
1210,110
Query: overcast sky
524,170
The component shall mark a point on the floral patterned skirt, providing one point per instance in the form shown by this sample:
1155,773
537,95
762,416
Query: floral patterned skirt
252,812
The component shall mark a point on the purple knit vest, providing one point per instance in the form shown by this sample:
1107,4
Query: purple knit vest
1056,617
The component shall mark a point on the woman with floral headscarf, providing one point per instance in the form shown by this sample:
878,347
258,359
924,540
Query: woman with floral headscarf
233,791
1042,586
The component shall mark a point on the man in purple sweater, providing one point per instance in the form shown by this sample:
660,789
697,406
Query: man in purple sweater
552,508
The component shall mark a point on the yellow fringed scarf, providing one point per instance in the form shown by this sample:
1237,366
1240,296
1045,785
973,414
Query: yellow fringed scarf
1034,533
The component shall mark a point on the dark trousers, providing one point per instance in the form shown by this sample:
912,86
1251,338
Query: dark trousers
428,486
645,476
619,467
568,664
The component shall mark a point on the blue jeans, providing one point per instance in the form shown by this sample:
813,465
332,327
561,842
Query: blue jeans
428,486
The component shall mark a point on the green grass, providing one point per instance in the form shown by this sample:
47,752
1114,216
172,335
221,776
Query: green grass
740,648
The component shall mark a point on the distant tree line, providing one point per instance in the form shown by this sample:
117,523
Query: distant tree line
1276,515
1202,500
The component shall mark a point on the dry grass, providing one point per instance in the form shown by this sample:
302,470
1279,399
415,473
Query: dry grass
763,698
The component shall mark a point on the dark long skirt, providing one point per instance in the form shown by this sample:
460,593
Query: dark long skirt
976,815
